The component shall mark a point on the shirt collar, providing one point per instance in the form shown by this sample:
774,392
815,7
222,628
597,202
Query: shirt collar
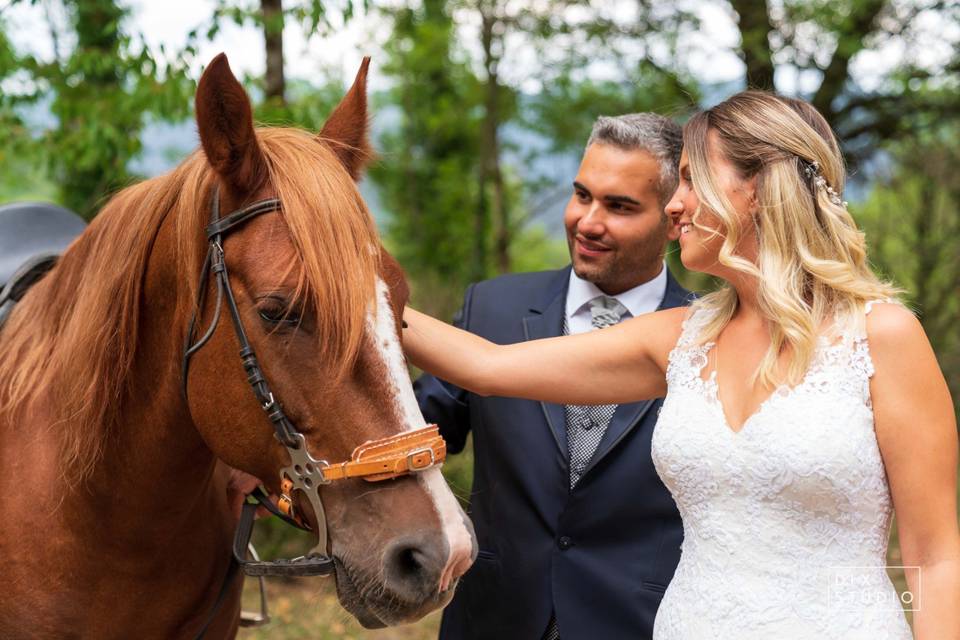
643,298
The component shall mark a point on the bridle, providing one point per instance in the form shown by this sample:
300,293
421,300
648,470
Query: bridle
375,460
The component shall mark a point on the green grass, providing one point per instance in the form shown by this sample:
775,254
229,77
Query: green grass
308,608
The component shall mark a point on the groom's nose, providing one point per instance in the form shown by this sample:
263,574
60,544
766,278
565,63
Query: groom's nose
592,223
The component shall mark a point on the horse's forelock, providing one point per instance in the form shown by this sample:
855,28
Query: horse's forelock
334,235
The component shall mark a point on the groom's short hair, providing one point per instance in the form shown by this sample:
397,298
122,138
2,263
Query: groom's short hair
659,136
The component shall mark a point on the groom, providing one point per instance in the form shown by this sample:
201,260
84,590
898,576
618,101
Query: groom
578,537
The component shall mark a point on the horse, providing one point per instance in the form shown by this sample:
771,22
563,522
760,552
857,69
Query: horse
115,436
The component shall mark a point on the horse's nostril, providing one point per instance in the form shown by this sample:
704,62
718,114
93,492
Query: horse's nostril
409,561
412,566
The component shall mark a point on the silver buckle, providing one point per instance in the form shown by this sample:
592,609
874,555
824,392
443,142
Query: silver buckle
269,403
410,463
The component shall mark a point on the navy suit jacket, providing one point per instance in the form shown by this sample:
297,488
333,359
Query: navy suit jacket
600,555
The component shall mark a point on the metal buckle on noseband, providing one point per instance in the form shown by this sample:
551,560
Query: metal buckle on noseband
420,466
305,473
373,461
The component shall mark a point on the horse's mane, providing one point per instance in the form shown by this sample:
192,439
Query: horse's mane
68,349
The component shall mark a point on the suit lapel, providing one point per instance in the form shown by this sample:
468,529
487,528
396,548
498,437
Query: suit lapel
628,416
546,321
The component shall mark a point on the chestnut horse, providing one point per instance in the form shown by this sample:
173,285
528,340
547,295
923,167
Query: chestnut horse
116,518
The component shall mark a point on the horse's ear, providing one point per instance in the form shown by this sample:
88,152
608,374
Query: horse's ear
225,124
347,127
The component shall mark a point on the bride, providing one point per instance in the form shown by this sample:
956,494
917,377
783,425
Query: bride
803,403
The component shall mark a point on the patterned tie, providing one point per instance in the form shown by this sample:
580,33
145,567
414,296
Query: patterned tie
587,424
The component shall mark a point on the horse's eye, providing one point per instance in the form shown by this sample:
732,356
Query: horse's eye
276,314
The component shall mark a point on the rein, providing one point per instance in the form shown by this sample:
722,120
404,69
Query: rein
374,461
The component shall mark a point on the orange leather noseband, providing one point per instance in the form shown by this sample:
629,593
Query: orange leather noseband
376,460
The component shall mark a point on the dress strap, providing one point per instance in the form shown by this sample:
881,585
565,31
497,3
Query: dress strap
697,318
869,304
860,360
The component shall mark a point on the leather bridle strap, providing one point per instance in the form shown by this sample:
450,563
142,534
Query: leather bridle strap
215,264
373,461
221,226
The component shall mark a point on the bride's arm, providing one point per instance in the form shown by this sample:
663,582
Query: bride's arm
620,364
917,433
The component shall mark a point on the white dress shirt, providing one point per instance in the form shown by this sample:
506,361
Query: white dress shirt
643,298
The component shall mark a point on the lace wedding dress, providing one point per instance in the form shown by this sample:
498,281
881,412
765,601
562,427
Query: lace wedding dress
786,521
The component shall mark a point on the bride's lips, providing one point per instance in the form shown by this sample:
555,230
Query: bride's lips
590,249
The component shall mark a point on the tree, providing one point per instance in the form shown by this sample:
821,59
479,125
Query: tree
492,201
431,154
274,81
910,218
22,175
825,37
317,18
102,93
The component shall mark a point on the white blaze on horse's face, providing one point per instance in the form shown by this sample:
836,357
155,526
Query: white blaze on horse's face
459,540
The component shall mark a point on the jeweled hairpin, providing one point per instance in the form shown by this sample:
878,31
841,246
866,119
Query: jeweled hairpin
812,171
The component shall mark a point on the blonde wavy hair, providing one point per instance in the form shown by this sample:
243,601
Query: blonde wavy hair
812,268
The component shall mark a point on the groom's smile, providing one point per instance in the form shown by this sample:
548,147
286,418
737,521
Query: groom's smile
616,227
589,249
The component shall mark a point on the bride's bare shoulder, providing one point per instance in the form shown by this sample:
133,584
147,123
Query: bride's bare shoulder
890,322
659,331
895,335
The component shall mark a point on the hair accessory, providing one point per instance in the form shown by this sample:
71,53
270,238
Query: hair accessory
812,171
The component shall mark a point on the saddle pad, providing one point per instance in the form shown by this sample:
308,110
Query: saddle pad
31,229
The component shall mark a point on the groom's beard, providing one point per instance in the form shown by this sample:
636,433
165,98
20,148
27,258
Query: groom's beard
624,265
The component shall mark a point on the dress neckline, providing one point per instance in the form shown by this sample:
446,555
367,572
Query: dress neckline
712,389
834,337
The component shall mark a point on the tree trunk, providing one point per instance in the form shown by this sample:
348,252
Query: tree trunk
755,28
275,84
481,227
492,41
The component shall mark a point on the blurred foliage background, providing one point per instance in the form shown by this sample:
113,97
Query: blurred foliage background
484,110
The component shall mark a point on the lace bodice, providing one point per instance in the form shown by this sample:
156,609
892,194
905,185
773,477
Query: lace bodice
786,521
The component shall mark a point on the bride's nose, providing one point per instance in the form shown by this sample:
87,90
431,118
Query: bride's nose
674,214
674,208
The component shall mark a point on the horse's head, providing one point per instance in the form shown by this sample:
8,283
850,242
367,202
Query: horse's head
320,303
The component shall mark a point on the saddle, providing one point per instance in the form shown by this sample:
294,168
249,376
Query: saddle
32,237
